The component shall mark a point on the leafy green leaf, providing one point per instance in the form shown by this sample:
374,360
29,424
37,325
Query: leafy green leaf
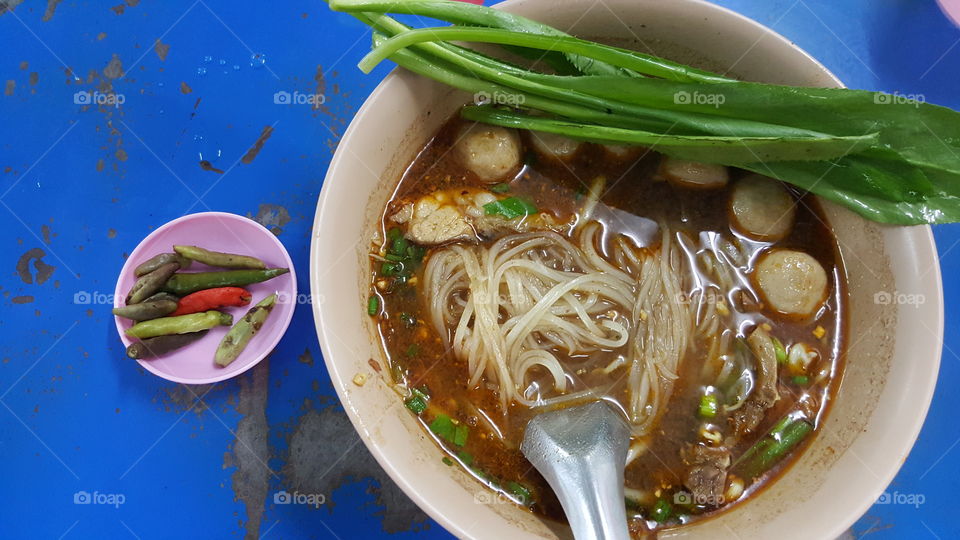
510,208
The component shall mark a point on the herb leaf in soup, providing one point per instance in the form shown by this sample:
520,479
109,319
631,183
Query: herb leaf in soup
510,208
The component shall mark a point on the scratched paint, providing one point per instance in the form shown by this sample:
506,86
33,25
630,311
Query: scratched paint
43,270
114,69
272,216
257,145
306,357
51,9
250,452
9,5
162,49
315,466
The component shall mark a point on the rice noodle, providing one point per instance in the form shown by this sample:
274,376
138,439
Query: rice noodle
519,310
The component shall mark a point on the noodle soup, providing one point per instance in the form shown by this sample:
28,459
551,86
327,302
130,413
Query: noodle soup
520,272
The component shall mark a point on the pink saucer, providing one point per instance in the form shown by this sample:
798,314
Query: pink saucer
230,233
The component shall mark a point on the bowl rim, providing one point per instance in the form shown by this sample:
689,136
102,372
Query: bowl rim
921,236
128,268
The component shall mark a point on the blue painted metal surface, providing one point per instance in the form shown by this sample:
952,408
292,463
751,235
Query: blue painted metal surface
83,179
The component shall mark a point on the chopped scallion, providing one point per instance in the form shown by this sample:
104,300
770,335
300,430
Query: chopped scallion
373,305
460,433
708,406
661,511
416,403
500,188
801,380
443,427
465,457
780,351
521,492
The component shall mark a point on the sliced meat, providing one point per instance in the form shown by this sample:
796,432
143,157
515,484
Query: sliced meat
433,222
746,419
706,479
458,214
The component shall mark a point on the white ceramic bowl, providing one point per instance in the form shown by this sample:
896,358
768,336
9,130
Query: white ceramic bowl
893,349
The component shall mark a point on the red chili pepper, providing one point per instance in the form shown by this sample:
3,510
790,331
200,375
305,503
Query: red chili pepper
208,299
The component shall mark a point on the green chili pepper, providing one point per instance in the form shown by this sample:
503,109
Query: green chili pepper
161,345
184,324
222,260
237,338
183,284
150,283
159,260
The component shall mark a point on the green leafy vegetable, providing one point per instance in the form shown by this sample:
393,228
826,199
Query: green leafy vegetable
889,158
510,208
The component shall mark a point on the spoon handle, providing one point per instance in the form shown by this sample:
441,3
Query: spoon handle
581,452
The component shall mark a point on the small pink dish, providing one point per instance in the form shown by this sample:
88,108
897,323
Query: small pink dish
230,233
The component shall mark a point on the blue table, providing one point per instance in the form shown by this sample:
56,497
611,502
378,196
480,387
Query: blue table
83,178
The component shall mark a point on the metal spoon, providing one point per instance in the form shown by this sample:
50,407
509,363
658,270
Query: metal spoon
581,451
